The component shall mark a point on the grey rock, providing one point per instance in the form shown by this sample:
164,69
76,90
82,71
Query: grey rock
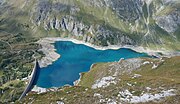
113,37
57,24
170,22
94,3
126,9
45,9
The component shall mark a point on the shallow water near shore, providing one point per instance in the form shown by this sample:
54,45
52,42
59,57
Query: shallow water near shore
77,58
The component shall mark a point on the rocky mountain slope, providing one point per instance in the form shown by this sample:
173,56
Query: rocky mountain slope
148,23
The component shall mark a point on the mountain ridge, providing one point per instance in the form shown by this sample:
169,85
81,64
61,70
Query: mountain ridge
147,23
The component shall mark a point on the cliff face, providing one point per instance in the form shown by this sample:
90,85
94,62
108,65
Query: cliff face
147,23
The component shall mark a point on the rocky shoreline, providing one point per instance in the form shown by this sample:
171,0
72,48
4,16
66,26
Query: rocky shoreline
51,55
50,52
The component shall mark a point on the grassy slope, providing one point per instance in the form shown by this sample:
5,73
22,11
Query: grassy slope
165,76
167,71
11,91
16,49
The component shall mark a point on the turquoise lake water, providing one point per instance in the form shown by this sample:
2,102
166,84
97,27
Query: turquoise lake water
77,58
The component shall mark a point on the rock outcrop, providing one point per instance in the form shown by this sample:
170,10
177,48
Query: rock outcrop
144,23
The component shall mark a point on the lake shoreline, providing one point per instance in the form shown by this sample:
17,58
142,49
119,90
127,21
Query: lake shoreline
51,55
50,52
